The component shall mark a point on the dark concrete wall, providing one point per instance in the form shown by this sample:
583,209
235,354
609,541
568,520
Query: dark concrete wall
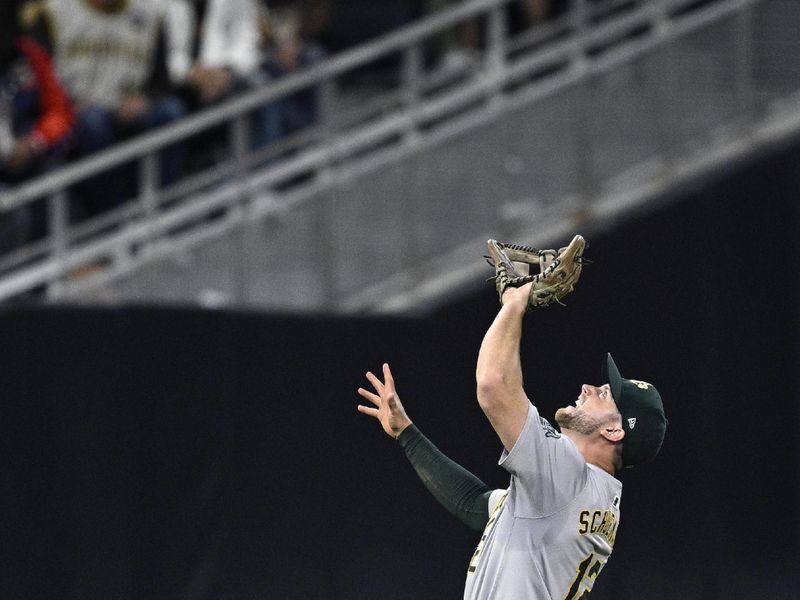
153,453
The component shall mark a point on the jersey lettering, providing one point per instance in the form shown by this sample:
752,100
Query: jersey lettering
549,430
601,522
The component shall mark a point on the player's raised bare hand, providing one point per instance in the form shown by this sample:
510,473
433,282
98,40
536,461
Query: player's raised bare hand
517,297
388,409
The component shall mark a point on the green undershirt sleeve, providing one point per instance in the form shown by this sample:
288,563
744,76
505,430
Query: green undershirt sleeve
459,491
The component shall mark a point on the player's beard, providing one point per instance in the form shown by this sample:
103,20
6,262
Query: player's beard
579,421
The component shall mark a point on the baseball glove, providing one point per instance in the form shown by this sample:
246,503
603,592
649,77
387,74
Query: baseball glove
557,276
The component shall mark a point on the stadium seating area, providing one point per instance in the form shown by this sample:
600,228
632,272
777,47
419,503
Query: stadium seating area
141,131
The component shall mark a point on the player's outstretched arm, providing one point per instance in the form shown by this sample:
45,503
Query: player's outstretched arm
459,491
387,406
499,371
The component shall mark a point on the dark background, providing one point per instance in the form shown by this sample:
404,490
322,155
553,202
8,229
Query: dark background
155,453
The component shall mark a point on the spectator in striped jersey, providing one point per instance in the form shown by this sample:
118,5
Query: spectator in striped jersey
111,56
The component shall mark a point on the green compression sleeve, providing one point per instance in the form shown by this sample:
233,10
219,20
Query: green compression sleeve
459,491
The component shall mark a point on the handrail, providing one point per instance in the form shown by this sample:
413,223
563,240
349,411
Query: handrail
233,108
248,101
410,109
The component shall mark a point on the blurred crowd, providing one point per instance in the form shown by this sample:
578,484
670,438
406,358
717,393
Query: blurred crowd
77,76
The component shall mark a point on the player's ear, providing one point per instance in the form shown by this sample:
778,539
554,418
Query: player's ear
613,432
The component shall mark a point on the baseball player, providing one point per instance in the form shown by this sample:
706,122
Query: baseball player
549,534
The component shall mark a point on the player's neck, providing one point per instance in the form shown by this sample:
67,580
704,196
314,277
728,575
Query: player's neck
596,451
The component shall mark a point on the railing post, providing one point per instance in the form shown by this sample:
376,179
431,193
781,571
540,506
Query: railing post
662,94
148,198
585,150
496,39
412,71
326,249
327,93
327,96
240,146
57,220
745,92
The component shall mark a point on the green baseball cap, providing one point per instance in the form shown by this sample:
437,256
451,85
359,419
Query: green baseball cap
642,411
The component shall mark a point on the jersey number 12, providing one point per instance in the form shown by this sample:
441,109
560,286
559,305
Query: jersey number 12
577,591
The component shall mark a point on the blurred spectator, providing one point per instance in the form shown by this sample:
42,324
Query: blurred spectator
214,53
460,47
35,120
524,14
291,30
179,39
111,57
355,22
220,53
454,48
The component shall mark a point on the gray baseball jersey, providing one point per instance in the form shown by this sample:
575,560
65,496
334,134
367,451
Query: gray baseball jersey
550,533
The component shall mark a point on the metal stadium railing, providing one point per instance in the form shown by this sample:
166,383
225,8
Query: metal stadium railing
578,117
